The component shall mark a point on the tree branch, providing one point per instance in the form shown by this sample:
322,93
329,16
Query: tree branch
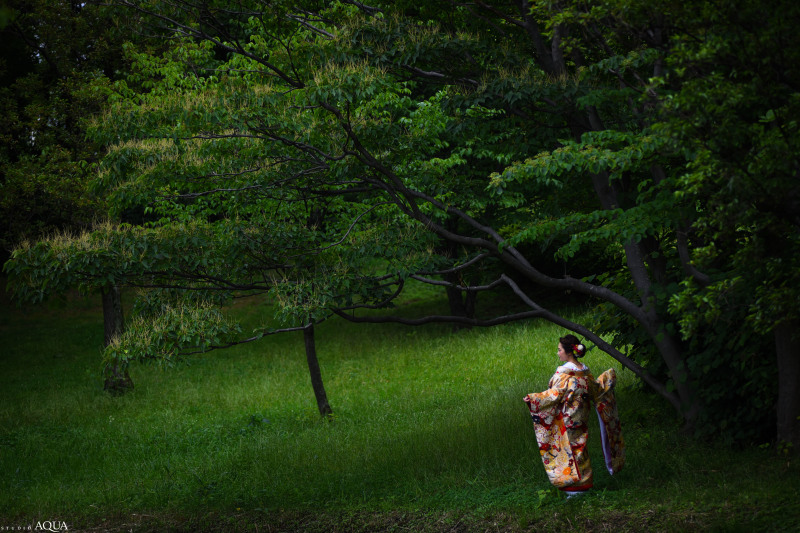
471,288
686,261
191,31
458,268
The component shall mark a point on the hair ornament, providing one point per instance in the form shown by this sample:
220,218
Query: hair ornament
578,347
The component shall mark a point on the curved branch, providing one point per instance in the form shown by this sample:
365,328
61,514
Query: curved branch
625,361
369,10
508,254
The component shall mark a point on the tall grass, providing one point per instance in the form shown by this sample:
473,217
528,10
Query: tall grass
424,418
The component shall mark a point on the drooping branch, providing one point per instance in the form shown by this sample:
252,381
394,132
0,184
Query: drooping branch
496,246
433,75
304,22
497,12
602,344
537,312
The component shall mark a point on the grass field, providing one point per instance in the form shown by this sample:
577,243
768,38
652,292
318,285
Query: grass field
429,434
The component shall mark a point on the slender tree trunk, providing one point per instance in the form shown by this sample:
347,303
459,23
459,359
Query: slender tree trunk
787,337
113,318
316,376
461,304
116,379
454,298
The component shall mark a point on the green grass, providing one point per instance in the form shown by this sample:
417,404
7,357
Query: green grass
429,433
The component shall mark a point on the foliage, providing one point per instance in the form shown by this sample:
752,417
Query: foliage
734,116
326,153
742,97
166,335
53,52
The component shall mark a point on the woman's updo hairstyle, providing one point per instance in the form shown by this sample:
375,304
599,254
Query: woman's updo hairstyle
572,345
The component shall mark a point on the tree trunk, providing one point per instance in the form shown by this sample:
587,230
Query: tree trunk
461,303
787,336
113,318
666,344
116,379
316,376
456,301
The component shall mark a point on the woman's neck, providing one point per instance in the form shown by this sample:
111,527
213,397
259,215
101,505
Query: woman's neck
572,359
574,365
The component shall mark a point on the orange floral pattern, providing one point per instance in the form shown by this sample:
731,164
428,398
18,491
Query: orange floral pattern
560,418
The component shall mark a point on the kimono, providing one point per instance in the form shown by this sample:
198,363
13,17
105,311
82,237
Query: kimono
560,418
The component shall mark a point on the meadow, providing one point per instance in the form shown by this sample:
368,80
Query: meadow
429,433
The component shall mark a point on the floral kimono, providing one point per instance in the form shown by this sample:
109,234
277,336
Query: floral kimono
560,418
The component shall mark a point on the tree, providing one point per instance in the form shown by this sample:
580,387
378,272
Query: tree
735,116
322,152
53,53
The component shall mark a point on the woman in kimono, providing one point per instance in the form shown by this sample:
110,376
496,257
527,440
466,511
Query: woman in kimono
560,418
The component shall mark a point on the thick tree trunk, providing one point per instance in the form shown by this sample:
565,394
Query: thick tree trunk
316,376
116,379
787,339
667,345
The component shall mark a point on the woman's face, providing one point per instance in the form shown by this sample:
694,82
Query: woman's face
562,354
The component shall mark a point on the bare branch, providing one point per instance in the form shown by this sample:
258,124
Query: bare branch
349,229
434,319
311,27
470,288
458,268
263,334
369,10
438,75
212,191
